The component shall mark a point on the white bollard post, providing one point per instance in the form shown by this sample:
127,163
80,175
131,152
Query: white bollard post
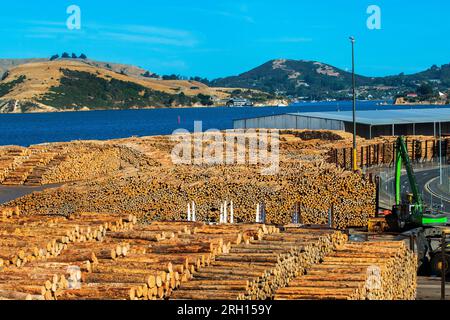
231,212
194,215
257,213
221,214
189,212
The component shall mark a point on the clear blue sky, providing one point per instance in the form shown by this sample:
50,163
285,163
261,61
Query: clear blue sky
214,38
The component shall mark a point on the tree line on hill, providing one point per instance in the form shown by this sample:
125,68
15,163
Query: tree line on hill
79,89
149,74
66,55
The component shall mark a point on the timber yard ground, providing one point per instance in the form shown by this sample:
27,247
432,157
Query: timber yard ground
116,225
429,288
8,194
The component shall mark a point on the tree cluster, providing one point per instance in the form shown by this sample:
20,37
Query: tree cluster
66,55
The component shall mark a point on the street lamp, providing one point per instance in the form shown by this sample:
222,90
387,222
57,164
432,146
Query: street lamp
440,156
355,164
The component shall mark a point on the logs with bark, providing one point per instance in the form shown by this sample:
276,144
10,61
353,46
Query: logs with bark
153,266
158,195
162,191
256,269
29,238
170,263
61,162
358,271
198,261
381,151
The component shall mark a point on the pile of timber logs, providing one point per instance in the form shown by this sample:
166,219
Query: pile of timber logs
109,257
191,252
381,151
29,238
256,268
8,213
41,256
10,157
358,271
39,280
39,158
164,194
157,259
63,162
159,190
82,162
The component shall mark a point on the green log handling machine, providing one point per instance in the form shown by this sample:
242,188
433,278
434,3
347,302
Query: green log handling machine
411,216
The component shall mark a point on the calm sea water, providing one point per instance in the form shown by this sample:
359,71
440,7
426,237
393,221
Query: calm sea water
28,129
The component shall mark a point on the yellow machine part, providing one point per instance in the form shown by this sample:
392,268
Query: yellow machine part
377,225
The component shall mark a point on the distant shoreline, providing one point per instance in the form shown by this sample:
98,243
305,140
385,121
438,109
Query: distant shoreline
143,108
404,102
424,103
25,129
309,103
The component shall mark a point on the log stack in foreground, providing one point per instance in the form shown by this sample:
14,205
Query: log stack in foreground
255,269
40,254
127,261
358,271
170,263
102,257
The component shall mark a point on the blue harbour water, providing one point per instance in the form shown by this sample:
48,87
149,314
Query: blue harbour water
28,129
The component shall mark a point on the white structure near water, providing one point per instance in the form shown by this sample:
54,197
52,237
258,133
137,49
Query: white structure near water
370,124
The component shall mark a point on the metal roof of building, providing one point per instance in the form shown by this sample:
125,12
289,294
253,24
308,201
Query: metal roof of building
385,117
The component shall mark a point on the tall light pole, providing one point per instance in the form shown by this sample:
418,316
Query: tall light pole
355,153
441,180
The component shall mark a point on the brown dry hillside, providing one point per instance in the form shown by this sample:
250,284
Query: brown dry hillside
27,88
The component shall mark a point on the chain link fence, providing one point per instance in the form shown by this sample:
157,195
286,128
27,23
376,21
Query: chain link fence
444,183
440,194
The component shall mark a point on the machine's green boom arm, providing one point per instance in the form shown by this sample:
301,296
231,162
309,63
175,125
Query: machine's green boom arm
402,157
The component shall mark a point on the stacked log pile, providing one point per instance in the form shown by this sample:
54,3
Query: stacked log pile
176,260
48,158
157,259
358,271
153,264
107,257
28,168
256,268
64,162
381,151
164,194
83,162
125,261
160,190
36,252
26,239
10,157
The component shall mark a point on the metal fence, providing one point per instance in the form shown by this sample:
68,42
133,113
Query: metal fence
440,184
387,187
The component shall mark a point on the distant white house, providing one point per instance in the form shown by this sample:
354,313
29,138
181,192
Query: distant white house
238,102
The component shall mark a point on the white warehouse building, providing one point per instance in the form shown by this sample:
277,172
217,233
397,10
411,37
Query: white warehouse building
370,124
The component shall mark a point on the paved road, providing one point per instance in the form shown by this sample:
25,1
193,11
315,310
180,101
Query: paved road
427,179
435,196
10,193
429,288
